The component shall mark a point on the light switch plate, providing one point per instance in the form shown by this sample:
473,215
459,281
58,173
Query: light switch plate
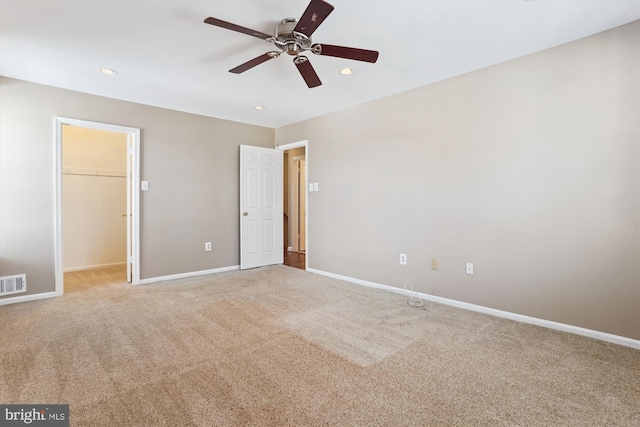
144,185
315,186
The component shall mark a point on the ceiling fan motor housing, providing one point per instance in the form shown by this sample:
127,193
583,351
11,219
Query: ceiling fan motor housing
288,41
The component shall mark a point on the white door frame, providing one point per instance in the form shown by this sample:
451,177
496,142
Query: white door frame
296,203
133,135
304,143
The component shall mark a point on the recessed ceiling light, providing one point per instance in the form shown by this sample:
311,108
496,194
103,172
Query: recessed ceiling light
258,107
109,71
346,71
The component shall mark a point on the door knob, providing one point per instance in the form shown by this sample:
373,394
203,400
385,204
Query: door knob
245,213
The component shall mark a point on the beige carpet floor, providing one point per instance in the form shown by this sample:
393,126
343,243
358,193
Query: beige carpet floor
278,346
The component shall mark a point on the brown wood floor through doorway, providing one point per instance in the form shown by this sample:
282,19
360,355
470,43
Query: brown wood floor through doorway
294,259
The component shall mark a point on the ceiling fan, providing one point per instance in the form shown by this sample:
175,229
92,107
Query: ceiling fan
293,37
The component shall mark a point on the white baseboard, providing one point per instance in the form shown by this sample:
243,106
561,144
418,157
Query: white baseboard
91,267
603,336
25,298
190,274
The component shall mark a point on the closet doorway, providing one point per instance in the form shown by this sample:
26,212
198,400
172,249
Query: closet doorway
97,198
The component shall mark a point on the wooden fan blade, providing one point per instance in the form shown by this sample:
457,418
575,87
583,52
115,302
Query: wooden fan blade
346,52
306,70
233,27
252,63
313,16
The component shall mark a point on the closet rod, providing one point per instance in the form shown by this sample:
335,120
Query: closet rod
95,172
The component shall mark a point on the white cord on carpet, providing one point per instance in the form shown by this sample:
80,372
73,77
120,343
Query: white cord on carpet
412,298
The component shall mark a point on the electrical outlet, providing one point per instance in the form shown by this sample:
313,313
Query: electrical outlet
207,246
469,268
403,259
435,265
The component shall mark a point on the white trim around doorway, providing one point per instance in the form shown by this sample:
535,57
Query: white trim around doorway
290,146
134,135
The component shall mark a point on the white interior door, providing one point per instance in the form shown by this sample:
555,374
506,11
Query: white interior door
261,233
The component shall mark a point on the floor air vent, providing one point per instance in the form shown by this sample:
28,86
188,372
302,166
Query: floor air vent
13,284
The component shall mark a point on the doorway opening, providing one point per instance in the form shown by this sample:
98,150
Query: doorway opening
96,198
295,188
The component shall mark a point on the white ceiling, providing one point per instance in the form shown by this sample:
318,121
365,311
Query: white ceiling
166,56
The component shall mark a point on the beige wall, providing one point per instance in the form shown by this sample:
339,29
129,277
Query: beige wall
94,197
191,162
529,169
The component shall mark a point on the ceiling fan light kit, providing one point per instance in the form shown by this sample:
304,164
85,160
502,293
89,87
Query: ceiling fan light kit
293,37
